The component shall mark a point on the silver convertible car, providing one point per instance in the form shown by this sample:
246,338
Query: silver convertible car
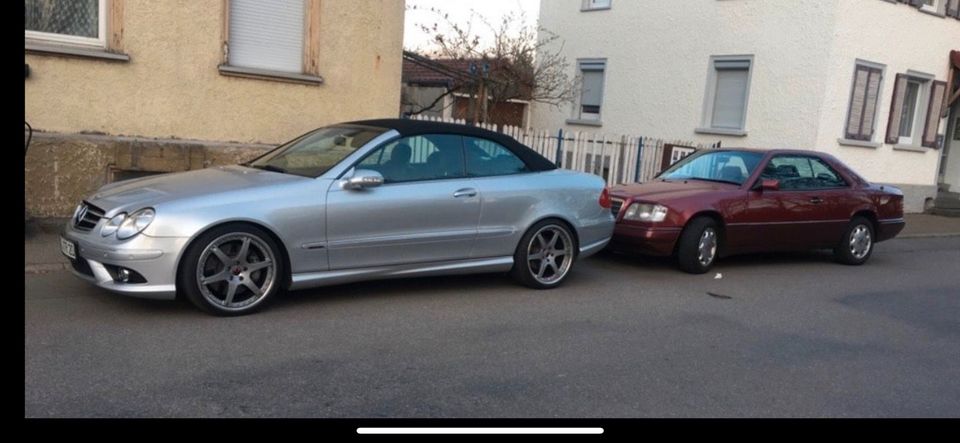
355,201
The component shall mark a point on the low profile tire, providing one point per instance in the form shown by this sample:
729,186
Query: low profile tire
698,246
231,270
545,255
857,244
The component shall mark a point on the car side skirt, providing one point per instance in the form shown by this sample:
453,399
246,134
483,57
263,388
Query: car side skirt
473,266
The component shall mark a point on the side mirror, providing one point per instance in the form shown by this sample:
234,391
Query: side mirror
769,184
362,179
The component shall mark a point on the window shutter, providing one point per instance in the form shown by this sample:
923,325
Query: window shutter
267,35
937,91
592,88
896,109
863,103
870,107
730,98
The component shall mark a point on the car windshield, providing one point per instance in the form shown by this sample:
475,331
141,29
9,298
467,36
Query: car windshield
732,167
315,153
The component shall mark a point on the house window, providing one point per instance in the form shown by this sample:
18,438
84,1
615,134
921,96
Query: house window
274,40
591,95
68,22
930,5
915,110
267,35
590,5
910,112
728,90
864,100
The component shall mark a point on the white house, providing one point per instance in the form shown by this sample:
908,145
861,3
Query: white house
865,80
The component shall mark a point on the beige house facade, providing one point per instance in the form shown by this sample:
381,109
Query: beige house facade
865,80
120,88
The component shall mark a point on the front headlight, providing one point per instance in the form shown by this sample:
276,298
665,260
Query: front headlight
646,212
111,226
135,223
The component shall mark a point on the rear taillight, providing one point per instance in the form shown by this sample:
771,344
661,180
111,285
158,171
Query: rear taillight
605,198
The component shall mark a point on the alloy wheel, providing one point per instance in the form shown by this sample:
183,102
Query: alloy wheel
707,248
550,254
236,271
860,241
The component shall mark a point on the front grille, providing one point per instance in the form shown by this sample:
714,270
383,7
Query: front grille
615,205
87,217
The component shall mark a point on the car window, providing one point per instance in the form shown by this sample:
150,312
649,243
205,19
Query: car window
315,153
423,157
802,173
487,158
720,166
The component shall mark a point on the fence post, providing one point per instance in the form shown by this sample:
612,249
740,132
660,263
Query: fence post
636,173
559,161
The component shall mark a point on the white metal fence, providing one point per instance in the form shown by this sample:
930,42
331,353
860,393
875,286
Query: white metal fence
616,158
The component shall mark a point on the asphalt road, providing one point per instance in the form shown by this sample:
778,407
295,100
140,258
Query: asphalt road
784,336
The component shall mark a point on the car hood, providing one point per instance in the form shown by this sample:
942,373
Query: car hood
661,191
153,190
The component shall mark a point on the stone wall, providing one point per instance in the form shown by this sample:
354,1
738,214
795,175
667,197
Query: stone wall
62,169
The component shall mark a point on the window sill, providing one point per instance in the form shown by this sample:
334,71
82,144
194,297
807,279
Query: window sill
73,51
858,143
604,8
910,148
932,12
720,131
264,74
575,121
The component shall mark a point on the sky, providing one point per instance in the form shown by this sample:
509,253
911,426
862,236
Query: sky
460,12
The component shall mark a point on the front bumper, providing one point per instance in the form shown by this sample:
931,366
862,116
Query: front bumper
153,258
657,241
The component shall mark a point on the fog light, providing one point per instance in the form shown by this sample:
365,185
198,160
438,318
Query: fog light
123,275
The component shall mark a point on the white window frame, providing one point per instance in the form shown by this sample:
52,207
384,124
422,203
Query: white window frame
709,99
934,8
577,117
920,113
589,5
65,39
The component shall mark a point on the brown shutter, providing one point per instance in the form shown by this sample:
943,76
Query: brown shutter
863,103
937,91
870,106
896,109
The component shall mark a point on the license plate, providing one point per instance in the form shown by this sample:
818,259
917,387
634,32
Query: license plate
68,248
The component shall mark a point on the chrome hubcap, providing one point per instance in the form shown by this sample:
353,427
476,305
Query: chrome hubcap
707,249
550,254
236,270
860,241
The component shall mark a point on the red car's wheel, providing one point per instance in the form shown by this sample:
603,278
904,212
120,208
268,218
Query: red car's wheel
699,245
857,244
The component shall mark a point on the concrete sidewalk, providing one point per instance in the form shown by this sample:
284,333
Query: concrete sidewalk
41,248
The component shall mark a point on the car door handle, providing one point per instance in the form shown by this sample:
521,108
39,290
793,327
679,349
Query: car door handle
816,200
465,193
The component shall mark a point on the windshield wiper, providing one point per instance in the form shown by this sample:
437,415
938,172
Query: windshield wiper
270,168
715,180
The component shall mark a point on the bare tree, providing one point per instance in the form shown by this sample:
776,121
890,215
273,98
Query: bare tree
521,62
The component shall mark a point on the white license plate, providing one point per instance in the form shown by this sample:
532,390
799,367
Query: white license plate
68,248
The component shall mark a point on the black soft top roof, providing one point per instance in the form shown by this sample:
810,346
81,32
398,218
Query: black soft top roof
409,128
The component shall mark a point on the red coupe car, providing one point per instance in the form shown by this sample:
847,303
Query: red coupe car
720,202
